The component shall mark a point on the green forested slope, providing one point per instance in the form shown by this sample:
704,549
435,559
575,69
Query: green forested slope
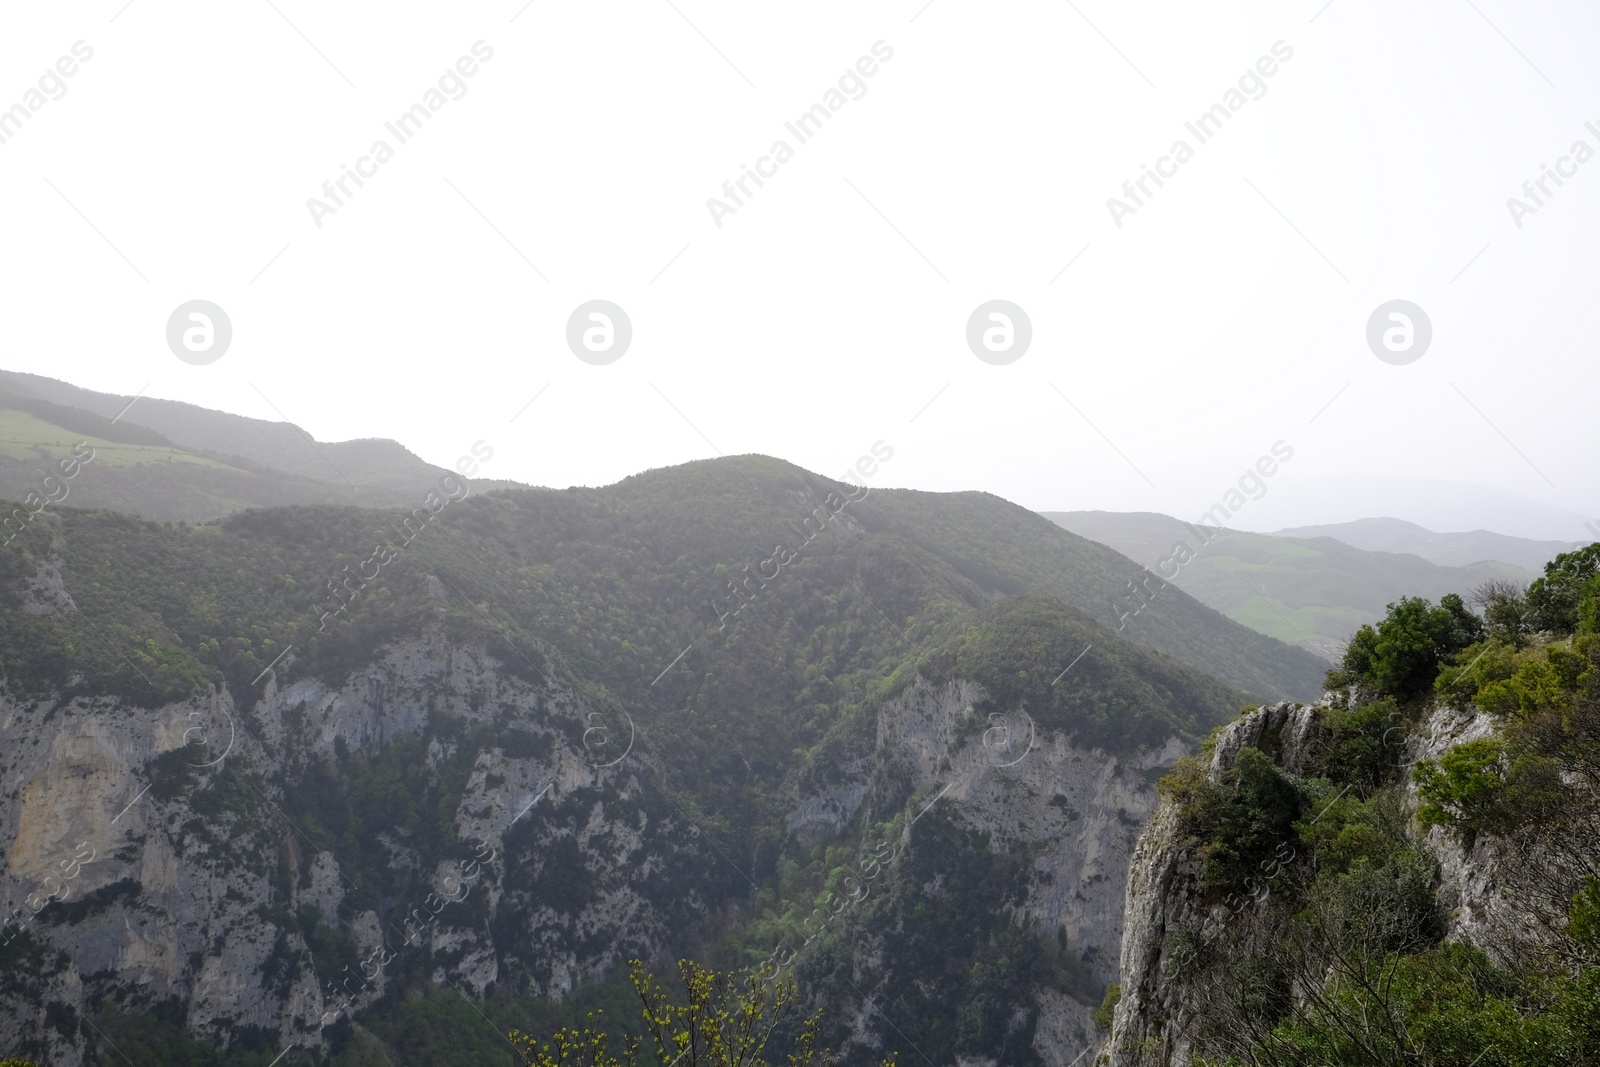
618,583
604,589
379,465
170,461
621,579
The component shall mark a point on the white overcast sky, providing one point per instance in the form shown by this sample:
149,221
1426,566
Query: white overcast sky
823,316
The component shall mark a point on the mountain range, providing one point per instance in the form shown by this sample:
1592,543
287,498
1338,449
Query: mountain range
1445,549
179,462
1315,586
317,753
504,739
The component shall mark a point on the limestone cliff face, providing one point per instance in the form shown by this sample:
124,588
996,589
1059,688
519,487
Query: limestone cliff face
1075,812
1154,1021
146,844
1153,1017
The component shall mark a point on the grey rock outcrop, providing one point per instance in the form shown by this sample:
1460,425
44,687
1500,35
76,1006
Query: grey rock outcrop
167,833
1076,811
1154,1020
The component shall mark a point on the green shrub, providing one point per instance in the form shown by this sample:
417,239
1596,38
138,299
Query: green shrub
1505,680
1487,661
1462,791
1364,742
1242,821
1583,922
1506,614
1402,655
1543,679
1103,1015
1589,606
1382,903
1347,829
1555,600
1447,1005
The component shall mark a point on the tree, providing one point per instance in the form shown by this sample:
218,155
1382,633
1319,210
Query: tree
1402,655
1240,822
1505,609
726,1020
1553,601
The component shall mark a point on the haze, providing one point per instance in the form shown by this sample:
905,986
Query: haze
830,311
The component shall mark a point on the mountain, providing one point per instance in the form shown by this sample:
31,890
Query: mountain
375,784
1445,549
1433,503
1309,590
997,547
178,462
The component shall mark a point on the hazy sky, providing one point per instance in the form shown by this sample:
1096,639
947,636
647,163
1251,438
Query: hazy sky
830,311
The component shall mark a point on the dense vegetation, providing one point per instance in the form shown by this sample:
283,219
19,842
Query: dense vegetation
1337,951
723,1020
600,590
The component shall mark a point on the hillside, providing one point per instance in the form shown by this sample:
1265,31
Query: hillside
681,535
178,462
1313,591
1445,549
647,762
182,463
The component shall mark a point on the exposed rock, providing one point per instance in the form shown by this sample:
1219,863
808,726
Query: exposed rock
176,906
1154,1018
1077,811
185,890
46,593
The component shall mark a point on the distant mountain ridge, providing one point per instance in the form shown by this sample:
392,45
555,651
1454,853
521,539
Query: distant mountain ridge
164,460
1310,591
1445,549
191,463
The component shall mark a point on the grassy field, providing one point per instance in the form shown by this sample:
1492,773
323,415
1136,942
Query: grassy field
24,436
1309,592
1313,627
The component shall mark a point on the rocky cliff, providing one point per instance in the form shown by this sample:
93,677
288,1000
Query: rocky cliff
199,853
260,865
1171,921
1067,815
